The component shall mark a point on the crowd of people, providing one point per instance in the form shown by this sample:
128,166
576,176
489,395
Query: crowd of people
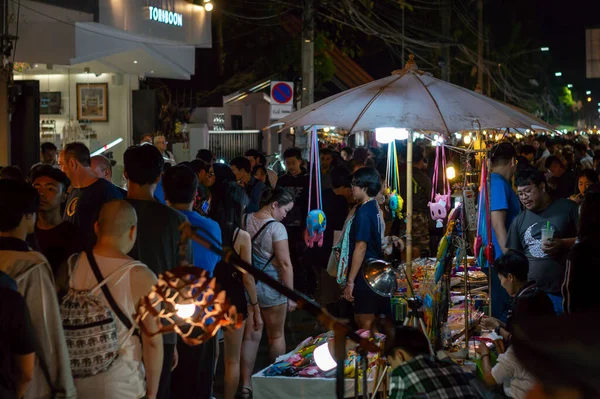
72,243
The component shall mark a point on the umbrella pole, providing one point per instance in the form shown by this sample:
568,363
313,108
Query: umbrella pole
409,210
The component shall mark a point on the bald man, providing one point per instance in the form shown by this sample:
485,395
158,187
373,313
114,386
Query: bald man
102,168
116,230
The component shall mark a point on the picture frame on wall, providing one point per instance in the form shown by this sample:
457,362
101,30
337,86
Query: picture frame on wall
92,102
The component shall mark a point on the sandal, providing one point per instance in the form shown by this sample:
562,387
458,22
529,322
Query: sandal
245,393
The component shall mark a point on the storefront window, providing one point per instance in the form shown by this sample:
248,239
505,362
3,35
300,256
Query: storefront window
77,104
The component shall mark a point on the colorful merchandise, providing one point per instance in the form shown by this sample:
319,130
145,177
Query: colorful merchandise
439,206
301,361
316,222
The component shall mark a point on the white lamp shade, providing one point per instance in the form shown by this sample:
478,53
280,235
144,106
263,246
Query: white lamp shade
323,358
401,134
385,135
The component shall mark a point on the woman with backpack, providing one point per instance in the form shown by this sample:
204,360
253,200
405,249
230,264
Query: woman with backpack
230,200
271,254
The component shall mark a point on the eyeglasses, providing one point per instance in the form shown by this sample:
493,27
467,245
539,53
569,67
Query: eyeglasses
525,193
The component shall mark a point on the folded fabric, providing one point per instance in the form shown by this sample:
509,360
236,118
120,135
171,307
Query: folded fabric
280,369
312,371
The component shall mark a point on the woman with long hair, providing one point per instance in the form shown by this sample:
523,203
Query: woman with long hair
271,254
586,178
229,203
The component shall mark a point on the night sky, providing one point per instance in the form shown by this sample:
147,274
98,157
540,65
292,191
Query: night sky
559,25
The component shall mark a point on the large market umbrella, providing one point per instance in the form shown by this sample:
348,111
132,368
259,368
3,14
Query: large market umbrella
411,99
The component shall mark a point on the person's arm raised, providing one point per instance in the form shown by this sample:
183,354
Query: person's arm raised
142,279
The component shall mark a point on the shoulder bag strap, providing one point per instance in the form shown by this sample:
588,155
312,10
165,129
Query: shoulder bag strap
235,236
109,298
258,234
264,226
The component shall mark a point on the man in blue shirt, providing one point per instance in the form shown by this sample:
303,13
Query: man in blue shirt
197,374
180,184
504,207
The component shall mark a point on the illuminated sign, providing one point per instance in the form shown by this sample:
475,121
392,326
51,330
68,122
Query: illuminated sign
166,17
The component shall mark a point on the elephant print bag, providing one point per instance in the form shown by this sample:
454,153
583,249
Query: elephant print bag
90,326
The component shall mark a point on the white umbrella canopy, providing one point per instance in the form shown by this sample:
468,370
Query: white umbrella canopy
411,99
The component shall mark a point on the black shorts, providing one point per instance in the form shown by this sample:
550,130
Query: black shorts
366,301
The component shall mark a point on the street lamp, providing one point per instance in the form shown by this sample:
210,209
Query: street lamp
545,49
557,74
569,86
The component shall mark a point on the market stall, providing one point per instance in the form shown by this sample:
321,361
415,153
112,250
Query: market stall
296,374
407,102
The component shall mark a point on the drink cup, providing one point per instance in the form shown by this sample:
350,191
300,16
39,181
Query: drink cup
547,234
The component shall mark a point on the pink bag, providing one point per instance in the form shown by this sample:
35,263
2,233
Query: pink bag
439,206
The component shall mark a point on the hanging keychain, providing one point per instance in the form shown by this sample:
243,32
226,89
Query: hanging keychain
440,203
316,222
396,202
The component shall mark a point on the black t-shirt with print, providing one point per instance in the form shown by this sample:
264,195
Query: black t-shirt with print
83,207
525,235
16,338
58,243
157,243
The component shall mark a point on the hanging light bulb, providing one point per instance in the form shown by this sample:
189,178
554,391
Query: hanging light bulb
326,129
467,139
185,310
450,172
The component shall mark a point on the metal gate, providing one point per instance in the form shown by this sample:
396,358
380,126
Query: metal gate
228,144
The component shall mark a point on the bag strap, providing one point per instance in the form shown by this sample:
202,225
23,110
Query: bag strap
258,233
109,298
264,226
268,262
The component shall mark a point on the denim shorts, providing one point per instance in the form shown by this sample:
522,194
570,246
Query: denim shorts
268,297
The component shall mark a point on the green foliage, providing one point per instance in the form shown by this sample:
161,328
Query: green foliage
566,97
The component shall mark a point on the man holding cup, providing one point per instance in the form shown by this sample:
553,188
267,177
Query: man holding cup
545,231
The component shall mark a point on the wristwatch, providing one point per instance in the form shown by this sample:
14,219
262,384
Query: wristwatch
497,330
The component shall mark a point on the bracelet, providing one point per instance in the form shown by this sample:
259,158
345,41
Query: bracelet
482,356
350,284
253,304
